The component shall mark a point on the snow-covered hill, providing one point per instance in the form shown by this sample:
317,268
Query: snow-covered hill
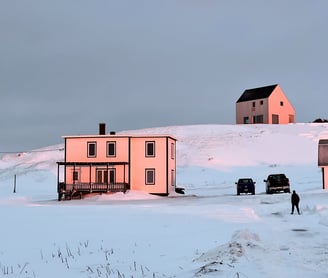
209,232
216,155
208,154
226,146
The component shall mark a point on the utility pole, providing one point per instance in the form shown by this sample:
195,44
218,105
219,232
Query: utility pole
15,183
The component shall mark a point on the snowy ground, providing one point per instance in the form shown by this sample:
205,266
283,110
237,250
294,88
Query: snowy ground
208,232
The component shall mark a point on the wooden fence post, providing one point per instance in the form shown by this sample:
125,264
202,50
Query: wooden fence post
15,183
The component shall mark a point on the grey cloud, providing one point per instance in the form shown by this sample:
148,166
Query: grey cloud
67,65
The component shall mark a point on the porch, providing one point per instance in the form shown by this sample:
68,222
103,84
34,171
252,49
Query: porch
80,178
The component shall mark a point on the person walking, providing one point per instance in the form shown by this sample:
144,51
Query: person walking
295,199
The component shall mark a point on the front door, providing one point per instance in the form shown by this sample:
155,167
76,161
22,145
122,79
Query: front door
275,119
106,176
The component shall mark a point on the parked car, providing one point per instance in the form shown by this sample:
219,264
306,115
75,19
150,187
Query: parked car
245,185
277,183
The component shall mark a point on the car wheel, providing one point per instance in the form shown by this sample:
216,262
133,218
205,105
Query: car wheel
238,192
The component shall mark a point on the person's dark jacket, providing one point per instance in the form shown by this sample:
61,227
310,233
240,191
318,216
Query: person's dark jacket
295,198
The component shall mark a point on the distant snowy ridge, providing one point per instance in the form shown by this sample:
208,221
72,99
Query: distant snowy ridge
219,147
29,161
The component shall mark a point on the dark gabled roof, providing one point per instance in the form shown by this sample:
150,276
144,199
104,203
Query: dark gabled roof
257,93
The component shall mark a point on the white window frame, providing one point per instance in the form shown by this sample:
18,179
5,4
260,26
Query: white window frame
172,151
95,149
150,180
149,143
107,148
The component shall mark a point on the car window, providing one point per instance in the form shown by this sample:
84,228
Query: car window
277,177
245,180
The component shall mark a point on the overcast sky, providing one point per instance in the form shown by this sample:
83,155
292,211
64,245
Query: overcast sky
67,65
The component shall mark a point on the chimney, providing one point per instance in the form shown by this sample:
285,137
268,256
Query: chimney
102,129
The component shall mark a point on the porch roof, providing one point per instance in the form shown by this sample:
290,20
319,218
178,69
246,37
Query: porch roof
91,163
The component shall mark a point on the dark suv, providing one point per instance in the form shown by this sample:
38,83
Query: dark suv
276,183
245,185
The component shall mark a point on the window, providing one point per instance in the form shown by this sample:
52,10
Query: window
92,149
253,106
112,176
261,102
111,149
150,148
99,176
75,175
172,177
246,120
291,118
281,103
150,176
172,150
258,119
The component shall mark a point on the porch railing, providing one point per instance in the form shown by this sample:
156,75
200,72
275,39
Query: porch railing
68,190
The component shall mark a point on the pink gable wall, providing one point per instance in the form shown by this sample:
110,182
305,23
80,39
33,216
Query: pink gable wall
161,162
280,105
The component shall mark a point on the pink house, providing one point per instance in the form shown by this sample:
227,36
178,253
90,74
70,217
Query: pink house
264,105
112,163
323,161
